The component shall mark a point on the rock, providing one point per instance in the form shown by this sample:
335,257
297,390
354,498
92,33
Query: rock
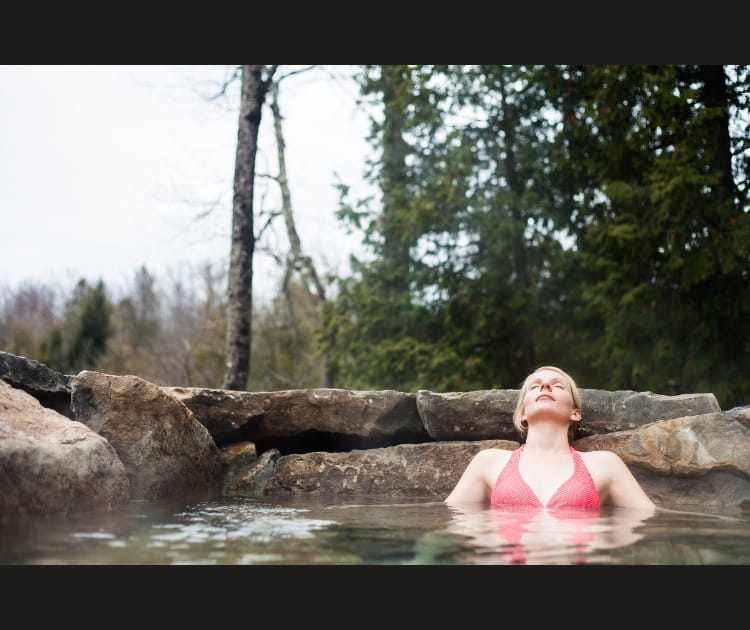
475,415
696,461
741,412
238,459
427,470
261,416
50,388
165,450
608,412
244,451
228,415
488,414
249,477
51,464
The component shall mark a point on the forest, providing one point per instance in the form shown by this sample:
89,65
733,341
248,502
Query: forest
590,217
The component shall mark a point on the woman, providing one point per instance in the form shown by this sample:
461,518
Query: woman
546,472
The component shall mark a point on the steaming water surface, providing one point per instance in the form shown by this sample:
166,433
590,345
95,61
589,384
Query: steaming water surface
370,531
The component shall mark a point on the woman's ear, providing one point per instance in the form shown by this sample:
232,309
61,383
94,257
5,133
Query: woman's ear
575,416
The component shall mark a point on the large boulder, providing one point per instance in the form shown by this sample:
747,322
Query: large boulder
52,464
228,415
694,462
50,388
608,412
233,416
488,414
165,450
427,470
475,415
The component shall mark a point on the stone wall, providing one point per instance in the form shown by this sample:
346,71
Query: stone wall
174,441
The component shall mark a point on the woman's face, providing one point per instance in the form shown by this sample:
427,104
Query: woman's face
549,391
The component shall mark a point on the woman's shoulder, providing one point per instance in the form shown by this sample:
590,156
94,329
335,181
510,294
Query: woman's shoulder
488,463
601,461
491,457
599,456
494,453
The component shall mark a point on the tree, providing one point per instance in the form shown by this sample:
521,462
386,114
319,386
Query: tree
87,317
195,323
661,224
593,217
371,328
26,315
285,355
463,244
296,264
256,80
141,311
31,326
298,267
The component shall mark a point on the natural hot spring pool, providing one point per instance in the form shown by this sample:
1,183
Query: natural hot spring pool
314,530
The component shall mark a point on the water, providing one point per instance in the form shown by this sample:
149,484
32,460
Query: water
368,531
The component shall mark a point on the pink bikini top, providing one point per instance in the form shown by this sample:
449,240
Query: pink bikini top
579,491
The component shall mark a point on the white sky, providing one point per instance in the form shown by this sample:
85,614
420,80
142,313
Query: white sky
106,168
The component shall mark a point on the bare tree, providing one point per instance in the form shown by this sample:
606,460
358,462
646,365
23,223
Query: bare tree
27,313
256,81
296,261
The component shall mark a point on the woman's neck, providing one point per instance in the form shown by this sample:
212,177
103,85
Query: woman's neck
539,440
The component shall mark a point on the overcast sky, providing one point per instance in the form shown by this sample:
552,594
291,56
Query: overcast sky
107,168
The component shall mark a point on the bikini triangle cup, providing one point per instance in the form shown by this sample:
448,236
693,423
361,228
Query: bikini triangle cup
578,491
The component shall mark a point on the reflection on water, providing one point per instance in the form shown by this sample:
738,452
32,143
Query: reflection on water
370,531
533,535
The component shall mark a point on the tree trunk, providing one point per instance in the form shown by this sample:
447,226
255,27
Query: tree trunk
296,260
396,249
240,290
715,96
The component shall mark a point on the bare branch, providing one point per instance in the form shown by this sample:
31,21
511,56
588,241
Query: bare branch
293,72
295,254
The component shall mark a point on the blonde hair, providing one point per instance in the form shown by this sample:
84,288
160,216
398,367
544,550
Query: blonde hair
522,426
